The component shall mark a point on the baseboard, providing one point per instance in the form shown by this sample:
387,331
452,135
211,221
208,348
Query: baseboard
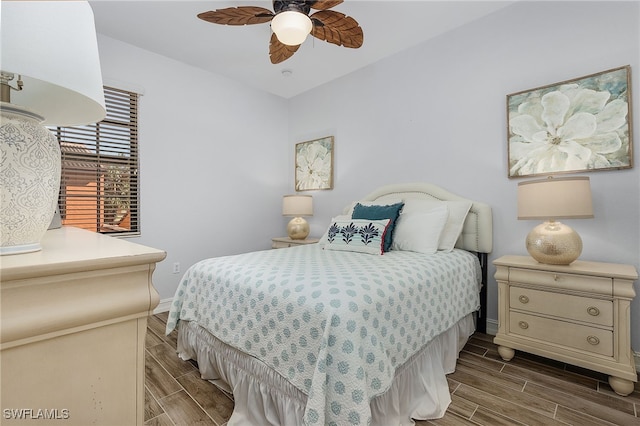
492,327
163,306
636,356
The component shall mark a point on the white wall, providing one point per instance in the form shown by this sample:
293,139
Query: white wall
212,159
216,157
437,113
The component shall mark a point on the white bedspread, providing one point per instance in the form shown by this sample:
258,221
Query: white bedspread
334,324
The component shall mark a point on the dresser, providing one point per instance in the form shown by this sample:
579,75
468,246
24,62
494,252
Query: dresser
578,314
73,325
284,242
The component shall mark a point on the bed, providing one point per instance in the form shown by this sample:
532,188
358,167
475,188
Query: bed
335,333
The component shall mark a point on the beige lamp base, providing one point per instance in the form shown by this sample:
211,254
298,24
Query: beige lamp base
298,229
554,243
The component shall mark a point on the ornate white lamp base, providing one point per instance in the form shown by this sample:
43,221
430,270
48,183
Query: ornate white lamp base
29,179
298,229
554,243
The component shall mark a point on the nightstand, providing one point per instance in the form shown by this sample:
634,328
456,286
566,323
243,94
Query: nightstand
578,314
284,242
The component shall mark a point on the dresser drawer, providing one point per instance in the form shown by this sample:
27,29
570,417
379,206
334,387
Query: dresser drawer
566,334
585,283
594,311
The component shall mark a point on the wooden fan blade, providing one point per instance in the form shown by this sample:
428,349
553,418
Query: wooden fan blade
325,4
337,28
241,15
279,52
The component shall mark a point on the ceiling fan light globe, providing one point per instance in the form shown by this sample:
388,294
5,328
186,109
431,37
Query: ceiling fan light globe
291,27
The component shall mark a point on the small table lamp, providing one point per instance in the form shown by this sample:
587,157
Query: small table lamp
549,199
50,75
297,206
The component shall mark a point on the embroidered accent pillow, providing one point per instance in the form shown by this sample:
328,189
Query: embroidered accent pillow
359,235
380,212
343,217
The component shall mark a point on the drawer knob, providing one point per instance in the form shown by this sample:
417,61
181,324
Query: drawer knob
593,340
593,311
523,299
556,277
523,325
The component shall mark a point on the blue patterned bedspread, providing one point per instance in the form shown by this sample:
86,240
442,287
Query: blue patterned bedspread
335,324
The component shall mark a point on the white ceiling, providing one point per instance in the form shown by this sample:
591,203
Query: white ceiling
171,28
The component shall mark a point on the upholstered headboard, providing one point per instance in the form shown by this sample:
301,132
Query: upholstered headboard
477,232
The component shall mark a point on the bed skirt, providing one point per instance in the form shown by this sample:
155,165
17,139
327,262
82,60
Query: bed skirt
263,397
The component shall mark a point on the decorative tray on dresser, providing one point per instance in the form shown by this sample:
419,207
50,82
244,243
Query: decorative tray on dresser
578,314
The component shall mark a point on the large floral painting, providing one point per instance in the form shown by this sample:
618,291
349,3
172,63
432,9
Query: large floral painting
314,164
572,126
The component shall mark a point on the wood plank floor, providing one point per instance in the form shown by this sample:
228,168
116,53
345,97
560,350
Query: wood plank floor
528,390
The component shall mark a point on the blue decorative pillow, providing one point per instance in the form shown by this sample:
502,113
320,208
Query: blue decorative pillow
364,236
380,212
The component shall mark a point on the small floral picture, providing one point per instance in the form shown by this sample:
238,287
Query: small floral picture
573,126
314,164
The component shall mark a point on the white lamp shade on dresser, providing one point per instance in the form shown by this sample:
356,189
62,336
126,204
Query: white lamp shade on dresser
53,46
50,74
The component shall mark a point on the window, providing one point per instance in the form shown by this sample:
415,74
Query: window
99,184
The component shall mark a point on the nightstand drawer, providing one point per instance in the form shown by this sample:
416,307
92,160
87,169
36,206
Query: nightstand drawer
558,279
566,334
281,244
284,242
595,311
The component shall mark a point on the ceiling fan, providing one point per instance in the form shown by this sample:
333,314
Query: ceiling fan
291,23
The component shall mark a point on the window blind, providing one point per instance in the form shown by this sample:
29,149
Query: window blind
99,188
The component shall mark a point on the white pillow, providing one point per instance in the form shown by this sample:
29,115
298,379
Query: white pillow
458,211
420,231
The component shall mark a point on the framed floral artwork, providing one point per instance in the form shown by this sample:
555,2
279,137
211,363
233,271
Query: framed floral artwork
314,164
573,126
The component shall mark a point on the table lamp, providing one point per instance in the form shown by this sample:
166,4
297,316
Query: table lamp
553,242
297,206
50,75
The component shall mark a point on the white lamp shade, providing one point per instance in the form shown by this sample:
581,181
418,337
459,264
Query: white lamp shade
297,205
53,46
291,27
555,198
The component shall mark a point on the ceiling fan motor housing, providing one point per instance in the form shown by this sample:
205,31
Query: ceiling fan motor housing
292,5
